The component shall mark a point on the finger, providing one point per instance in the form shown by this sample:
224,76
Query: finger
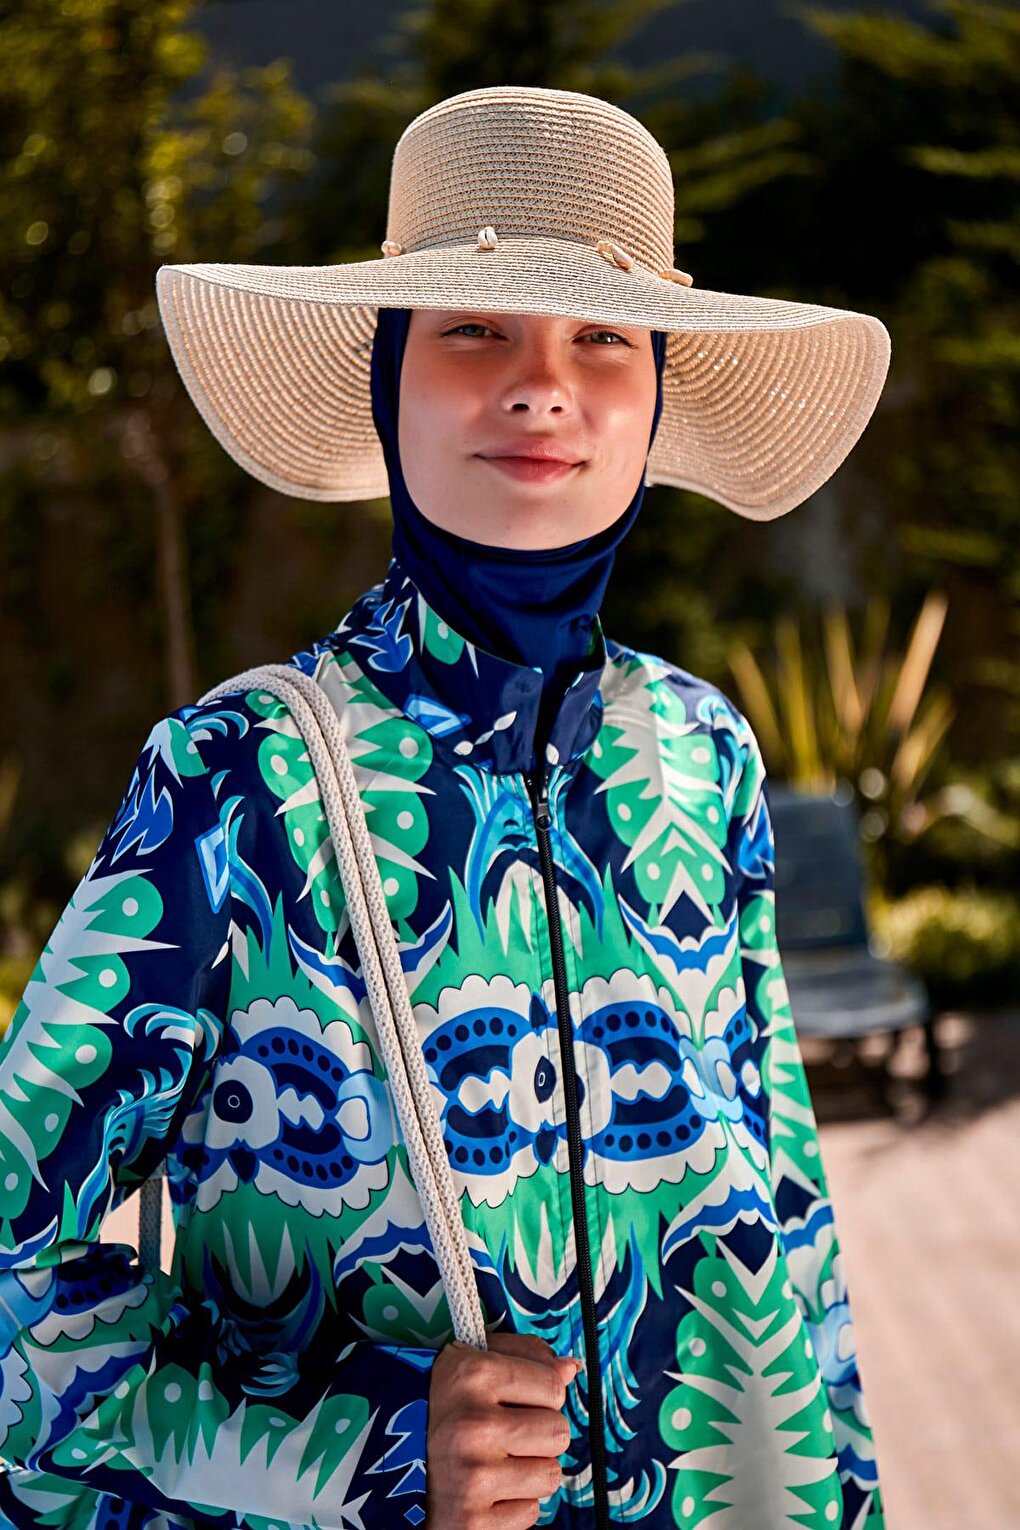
520,1344
533,1347
525,1432
520,1379
525,1477
514,1514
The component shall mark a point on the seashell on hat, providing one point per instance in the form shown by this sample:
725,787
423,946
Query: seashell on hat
525,199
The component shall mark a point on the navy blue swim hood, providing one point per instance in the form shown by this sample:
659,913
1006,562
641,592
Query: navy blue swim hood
533,606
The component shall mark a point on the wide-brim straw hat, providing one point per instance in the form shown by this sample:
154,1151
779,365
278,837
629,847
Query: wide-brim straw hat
524,199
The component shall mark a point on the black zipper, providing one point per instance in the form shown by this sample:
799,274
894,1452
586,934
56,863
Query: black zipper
538,788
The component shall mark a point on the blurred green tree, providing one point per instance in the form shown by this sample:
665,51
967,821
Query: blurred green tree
943,93
104,173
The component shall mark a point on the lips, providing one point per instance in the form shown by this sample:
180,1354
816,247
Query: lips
533,454
532,469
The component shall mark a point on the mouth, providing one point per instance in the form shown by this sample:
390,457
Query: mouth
533,469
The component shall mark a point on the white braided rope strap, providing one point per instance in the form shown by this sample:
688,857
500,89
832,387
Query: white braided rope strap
150,1221
319,725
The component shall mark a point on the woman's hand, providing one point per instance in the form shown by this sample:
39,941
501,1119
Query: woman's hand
496,1429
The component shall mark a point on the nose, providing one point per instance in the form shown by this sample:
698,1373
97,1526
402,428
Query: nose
539,382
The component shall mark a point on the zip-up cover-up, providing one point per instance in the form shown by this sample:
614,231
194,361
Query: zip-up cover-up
655,1201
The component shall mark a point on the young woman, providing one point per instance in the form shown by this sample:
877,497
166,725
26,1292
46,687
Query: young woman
577,859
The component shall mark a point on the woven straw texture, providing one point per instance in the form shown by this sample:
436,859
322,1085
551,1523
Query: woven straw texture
523,199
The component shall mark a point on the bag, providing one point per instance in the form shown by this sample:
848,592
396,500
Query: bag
319,726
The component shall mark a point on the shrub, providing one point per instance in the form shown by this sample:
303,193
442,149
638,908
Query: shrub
14,974
964,943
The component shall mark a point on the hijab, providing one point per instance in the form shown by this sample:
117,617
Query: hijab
533,606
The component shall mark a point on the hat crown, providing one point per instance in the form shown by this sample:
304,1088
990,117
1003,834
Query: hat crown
530,160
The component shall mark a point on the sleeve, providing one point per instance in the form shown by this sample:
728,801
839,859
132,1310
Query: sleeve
114,1382
799,1188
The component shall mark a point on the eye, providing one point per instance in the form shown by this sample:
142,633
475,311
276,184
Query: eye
475,324
470,324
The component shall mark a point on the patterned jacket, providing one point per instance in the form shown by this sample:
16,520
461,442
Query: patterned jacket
657,1204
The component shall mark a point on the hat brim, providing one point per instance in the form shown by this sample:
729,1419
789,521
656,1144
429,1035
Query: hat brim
763,397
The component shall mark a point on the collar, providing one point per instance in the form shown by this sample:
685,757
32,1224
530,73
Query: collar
475,704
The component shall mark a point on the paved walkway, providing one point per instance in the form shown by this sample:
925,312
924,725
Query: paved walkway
929,1217
928,1212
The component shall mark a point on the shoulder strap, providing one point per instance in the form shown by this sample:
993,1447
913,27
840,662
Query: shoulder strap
319,725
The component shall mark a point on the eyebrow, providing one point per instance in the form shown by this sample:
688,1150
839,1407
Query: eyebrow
447,316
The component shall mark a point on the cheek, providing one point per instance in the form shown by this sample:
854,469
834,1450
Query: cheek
435,435
437,408
624,427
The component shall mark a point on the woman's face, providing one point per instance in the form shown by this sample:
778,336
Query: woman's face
477,386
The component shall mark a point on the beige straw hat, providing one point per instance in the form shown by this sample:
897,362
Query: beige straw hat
523,199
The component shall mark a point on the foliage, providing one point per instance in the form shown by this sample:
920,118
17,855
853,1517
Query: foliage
10,774
840,709
955,462
964,943
861,713
979,835
14,975
105,171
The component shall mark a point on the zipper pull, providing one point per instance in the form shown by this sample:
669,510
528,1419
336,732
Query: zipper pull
540,797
